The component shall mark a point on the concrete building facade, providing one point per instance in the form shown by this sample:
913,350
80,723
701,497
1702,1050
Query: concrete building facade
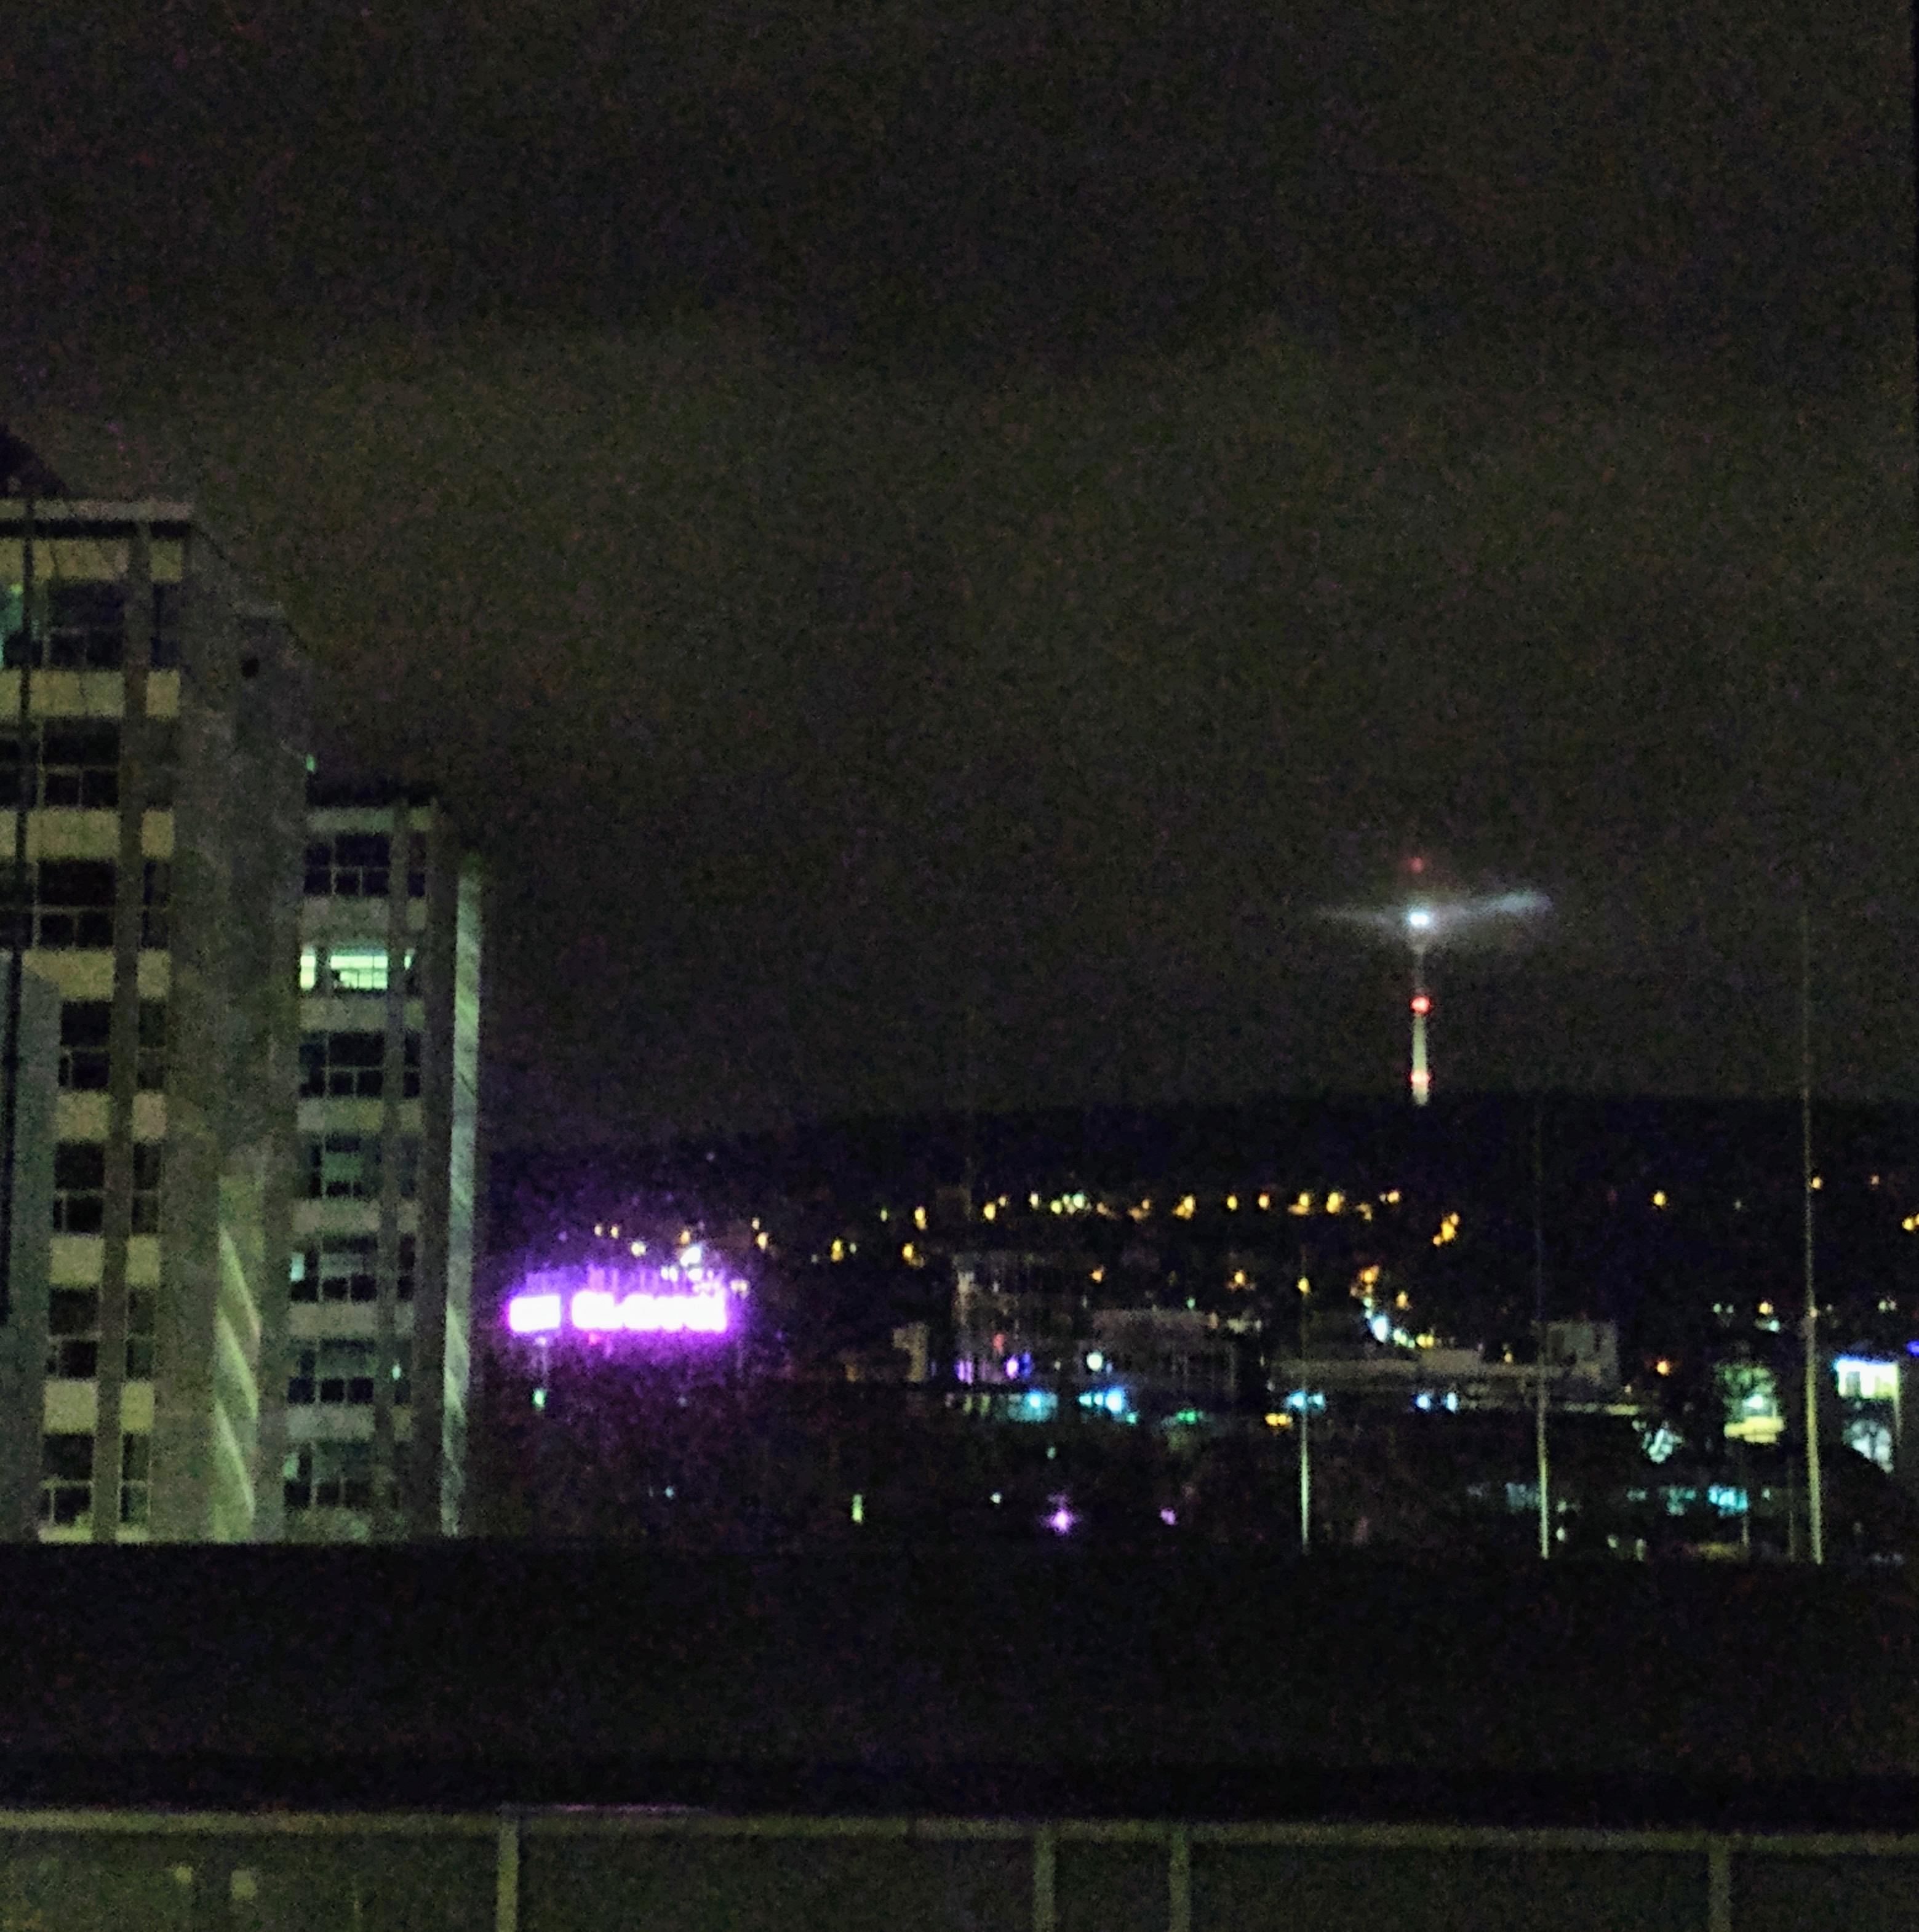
29,1060
153,721
364,1416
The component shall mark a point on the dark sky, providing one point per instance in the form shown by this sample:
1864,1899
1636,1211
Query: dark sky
877,510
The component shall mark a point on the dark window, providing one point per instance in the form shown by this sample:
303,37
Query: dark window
342,1372
342,1066
79,1187
66,1479
301,1380
156,890
72,1334
139,1334
342,1167
169,601
416,864
147,1159
410,1080
348,1267
350,865
65,904
151,1073
79,765
402,1286
159,760
84,1027
86,626
303,1275
330,1475
136,1468
409,1166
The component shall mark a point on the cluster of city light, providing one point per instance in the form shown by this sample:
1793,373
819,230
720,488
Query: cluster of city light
685,1298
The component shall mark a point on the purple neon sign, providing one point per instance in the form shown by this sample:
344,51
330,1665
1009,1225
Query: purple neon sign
682,1298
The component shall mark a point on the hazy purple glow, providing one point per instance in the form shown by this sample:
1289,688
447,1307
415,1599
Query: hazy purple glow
1063,1519
623,1301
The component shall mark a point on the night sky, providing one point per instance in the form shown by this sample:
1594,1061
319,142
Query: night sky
880,511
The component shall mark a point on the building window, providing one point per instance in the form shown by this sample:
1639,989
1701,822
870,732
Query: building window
139,1334
86,1030
136,1484
169,601
343,1267
85,1026
79,765
150,1073
416,864
342,1167
340,972
73,1334
78,625
342,1066
156,891
403,1285
350,865
330,1475
338,1374
409,1084
79,1187
86,626
63,904
408,1156
401,1371
147,1155
66,1479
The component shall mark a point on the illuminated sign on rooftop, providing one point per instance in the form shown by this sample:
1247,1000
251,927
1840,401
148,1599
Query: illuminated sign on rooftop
682,1298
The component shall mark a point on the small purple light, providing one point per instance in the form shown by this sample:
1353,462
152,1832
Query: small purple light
1063,1519
1169,1517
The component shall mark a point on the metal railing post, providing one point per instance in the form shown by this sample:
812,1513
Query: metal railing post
1178,1881
1045,1868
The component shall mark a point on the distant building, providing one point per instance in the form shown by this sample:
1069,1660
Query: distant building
28,1107
363,1418
153,723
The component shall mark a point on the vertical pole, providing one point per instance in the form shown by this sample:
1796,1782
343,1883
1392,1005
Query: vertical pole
1718,1885
1422,1003
1539,1330
1815,1498
1178,1881
506,1876
1046,1871
1305,1470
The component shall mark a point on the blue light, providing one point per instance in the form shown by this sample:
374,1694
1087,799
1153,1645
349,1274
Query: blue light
1912,1348
1423,1400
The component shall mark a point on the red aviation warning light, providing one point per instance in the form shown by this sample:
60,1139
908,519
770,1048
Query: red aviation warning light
1422,1004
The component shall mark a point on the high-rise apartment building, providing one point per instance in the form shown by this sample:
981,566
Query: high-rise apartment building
366,1415
152,820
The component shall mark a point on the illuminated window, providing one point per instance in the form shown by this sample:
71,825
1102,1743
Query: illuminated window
340,972
66,1479
73,1334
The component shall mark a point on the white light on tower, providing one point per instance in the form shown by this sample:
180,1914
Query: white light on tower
1433,920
